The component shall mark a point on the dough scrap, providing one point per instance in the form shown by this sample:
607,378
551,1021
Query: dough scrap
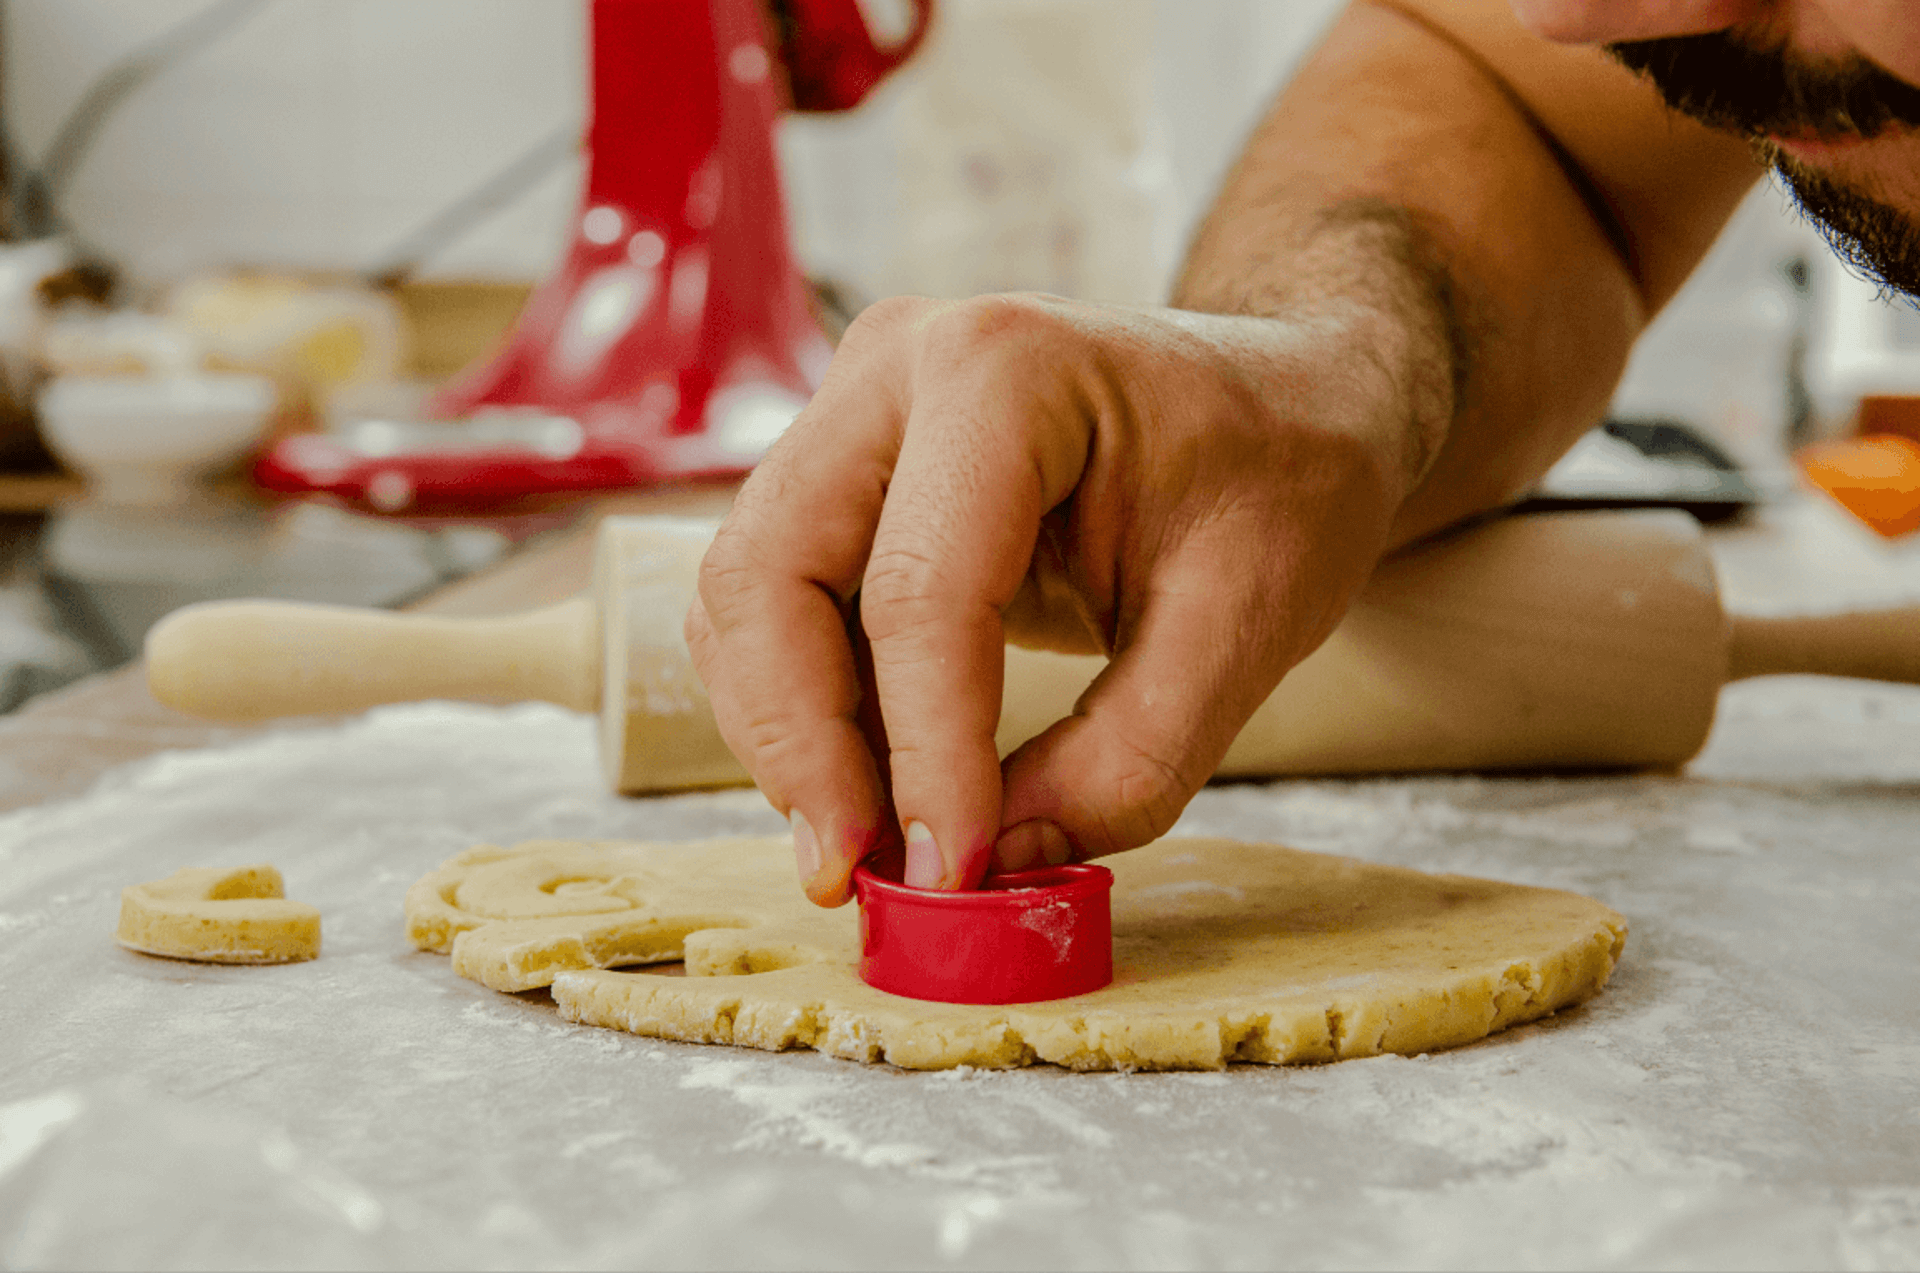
1223,952
219,915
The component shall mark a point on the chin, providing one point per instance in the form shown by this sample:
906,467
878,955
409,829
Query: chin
1879,239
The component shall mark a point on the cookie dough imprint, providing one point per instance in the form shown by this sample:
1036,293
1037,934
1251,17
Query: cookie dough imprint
513,918
219,915
1223,952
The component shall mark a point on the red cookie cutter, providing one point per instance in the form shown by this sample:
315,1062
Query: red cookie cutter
1020,938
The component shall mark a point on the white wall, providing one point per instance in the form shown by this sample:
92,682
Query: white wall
318,134
321,133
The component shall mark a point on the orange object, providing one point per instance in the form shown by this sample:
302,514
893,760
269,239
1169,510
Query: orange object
1887,413
1875,478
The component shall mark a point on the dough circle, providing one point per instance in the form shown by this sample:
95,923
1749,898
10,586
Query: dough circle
219,915
1223,952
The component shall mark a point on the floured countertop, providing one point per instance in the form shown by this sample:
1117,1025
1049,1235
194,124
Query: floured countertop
1746,1093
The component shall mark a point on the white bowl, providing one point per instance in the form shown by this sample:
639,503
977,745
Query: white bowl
152,440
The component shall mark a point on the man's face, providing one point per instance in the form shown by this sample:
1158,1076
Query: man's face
1826,89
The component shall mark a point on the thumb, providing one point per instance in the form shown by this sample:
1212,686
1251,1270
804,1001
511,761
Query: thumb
1151,729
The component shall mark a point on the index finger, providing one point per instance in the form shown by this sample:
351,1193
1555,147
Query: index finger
770,622
994,438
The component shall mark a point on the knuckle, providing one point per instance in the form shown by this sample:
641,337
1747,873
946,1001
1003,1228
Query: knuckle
768,738
766,488
725,589
882,321
901,593
1149,794
900,570
766,745
730,577
983,327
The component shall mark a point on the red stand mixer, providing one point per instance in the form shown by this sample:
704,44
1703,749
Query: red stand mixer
676,339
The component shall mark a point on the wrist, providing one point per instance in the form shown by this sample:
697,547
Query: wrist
1364,304
1346,371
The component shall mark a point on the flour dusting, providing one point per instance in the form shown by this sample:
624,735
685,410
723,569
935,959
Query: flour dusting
1056,923
1742,1093
1180,890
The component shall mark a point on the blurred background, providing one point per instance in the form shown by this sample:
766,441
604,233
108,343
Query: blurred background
229,221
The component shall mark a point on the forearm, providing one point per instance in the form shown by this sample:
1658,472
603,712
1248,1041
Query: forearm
1495,272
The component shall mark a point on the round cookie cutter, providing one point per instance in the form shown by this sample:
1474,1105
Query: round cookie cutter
1023,937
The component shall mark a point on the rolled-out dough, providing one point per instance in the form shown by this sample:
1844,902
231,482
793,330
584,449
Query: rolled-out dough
219,915
1223,952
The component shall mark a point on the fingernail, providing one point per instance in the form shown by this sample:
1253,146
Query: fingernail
1031,843
806,847
925,867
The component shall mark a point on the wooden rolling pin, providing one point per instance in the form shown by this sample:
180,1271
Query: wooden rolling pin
1572,640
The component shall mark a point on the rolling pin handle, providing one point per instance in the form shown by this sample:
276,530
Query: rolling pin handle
1875,645
258,660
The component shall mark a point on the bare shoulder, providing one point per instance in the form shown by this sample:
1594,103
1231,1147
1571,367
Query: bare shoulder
1668,182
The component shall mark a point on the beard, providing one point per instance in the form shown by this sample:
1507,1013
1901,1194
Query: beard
1879,241
1767,92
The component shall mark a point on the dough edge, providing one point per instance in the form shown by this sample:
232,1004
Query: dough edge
807,997
218,915
1273,1031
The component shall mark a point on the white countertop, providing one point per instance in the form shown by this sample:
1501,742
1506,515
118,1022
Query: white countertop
1745,1093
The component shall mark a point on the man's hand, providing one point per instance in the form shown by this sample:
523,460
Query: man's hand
1418,286
1197,496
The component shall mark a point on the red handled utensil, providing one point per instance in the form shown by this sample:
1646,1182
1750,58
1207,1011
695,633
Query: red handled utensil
1020,938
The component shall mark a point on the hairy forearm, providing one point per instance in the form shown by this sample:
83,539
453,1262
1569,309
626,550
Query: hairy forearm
1401,178
1374,267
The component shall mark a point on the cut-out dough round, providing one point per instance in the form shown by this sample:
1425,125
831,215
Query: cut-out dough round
513,918
219,915
1223,952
